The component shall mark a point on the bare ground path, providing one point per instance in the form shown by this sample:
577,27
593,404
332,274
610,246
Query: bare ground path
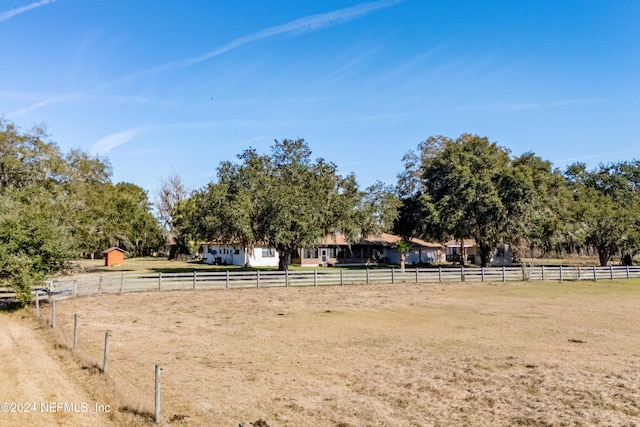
36,387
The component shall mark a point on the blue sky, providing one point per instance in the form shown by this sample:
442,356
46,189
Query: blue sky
162,87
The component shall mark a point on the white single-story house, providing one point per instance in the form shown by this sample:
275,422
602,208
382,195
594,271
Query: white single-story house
502,254
236,254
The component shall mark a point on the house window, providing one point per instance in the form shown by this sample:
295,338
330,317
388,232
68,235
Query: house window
311,253
331,252
500,251
237,252
268,253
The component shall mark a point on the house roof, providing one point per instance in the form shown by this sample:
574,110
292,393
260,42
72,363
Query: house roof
338,239
468,243
112,249
385,239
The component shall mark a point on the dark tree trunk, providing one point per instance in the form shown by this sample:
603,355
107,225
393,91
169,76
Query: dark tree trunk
283,257
603,256
485,253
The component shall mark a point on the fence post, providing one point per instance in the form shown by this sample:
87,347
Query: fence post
504,277
38,303
341,277
157,395
542,272
393,270
75,331
523,274
100,286
561,276
462,273
579,274
482,273
367,274
105,362
416,274
627,272
315,277
286,278
53,314
160,281
121,283
195,278
226,281
611,271
595,274
440,274
258,278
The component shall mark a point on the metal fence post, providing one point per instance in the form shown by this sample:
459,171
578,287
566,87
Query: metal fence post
542,269
100,286
341,277
462,273
393,275
315,277
440,274
417,279
258,278
226,281
611,271
561,275
504,277
367,274
195,278
482,273
286,278
160,281
122,283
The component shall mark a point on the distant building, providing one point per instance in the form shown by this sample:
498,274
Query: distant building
501,255
113,256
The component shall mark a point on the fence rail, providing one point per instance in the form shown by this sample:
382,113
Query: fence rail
121,283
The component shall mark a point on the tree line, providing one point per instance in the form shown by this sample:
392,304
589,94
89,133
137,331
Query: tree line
459,188
473,188
57,206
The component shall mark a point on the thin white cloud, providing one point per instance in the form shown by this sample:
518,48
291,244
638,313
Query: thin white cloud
303,25
110,142
595,156
249,141
19,10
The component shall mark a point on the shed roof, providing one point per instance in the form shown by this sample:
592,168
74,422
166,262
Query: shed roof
112,249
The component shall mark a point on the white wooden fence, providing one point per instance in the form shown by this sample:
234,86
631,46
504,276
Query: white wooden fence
197,280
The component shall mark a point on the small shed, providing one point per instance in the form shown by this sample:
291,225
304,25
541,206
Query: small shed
113,256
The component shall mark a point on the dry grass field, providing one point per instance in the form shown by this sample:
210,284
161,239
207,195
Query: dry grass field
532,354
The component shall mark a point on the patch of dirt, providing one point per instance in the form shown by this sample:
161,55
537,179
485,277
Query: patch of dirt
36,386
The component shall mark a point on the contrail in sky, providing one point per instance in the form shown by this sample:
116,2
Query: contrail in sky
302,25
18,10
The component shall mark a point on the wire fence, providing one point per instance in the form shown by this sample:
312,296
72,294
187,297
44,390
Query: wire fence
197,280
134,389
